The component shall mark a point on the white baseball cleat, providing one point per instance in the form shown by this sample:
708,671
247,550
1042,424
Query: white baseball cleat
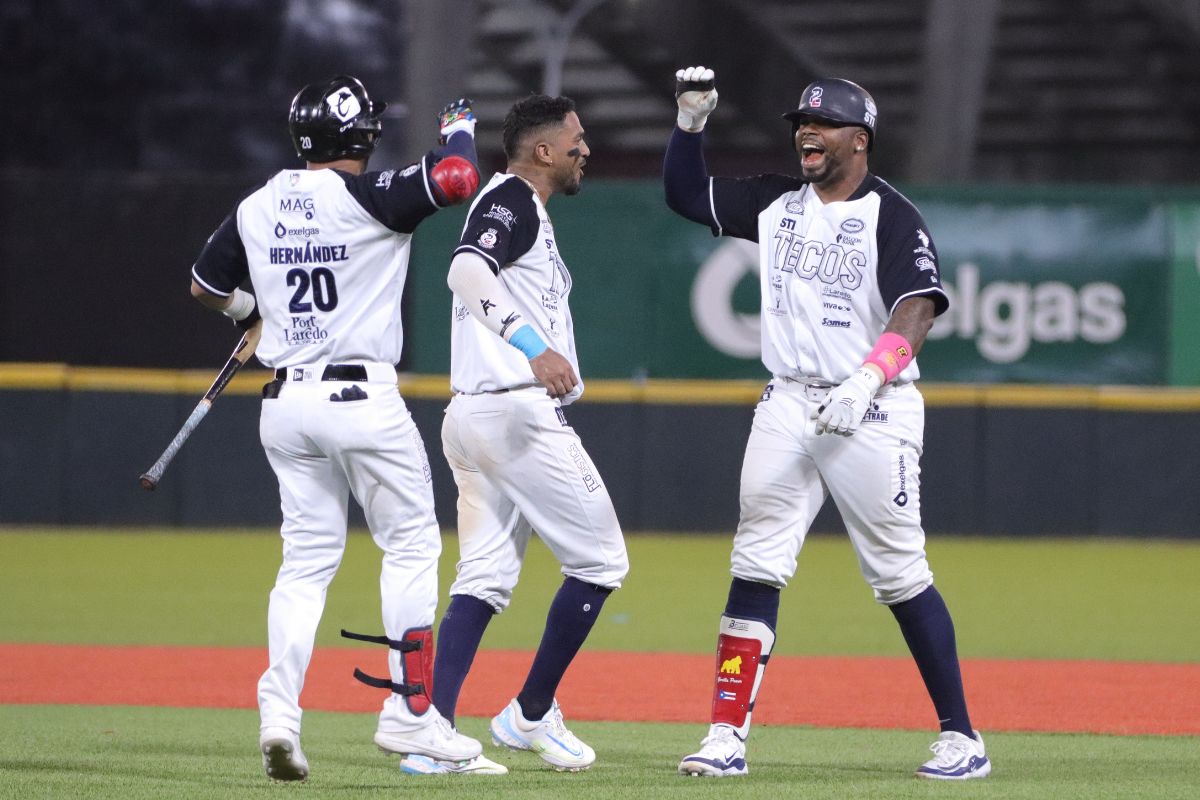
721,755
424,765
548,737
956,758
437,739
282,757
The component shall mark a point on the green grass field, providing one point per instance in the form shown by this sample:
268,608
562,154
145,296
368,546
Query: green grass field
149,754
1128,600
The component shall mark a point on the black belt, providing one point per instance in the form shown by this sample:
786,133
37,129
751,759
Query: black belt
333,372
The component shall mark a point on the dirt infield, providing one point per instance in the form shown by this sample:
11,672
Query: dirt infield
1078,696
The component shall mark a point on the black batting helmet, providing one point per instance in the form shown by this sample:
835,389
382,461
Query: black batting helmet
334,119
839,101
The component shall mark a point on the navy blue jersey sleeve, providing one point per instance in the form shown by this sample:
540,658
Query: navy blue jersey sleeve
737,202
728,206
401,199
222,265
502,226
908,261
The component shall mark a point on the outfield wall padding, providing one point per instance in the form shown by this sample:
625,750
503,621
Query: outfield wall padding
73,457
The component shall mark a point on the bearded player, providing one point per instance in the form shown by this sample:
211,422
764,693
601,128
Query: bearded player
850,287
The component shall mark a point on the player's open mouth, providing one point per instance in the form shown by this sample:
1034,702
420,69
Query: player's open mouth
811,154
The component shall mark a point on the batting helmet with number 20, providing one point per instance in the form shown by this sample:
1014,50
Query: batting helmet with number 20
335,119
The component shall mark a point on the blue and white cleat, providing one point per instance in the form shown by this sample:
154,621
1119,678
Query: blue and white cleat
722,755
548,737
956,758
424,765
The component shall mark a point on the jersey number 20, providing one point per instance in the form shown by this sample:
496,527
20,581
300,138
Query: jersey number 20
324,290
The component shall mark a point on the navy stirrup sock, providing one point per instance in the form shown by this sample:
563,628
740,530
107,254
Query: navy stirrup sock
572,615
929,631
753,600
459,634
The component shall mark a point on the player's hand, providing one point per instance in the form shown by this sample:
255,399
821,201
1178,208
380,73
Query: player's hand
456,116
696,95
554,372
846,404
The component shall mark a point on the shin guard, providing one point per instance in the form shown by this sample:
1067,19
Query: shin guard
417,668
743,647
414,654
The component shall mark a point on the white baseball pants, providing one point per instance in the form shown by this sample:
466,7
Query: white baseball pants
873,475
322,451
520,468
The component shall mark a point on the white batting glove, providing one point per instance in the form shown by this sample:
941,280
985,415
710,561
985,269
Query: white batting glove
846,404
696,95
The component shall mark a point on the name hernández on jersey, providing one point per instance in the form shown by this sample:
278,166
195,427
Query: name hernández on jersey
308,253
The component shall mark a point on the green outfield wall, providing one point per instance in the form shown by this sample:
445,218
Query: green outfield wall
1071,286
1074,285
1006,460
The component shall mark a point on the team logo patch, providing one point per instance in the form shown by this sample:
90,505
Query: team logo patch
853,225
924,263
343,105
488,238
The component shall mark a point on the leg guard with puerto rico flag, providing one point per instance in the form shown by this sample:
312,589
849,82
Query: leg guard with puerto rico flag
743,647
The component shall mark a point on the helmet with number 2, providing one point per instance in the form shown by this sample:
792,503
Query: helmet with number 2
335,119
839,101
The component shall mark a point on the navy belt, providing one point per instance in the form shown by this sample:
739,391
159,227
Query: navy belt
333,372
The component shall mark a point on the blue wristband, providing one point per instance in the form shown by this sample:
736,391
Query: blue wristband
528,342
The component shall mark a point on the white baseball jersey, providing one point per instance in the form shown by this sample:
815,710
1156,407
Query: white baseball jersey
831,274
509,227
327,253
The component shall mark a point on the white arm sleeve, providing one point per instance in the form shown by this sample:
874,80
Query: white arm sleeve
485,297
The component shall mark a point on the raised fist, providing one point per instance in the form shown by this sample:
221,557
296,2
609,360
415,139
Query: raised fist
456,116
696,95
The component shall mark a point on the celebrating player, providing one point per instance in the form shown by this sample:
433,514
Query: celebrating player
850,287
326,249
519,466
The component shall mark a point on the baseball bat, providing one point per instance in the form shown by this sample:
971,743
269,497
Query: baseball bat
241,354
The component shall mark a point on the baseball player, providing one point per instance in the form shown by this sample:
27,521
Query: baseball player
519,465
850,286
326,249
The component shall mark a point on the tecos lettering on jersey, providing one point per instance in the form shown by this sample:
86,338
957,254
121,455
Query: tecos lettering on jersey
832,273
